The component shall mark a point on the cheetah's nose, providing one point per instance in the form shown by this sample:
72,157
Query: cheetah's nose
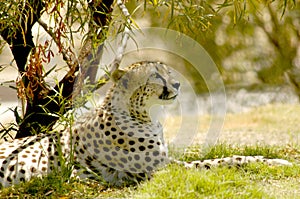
176,85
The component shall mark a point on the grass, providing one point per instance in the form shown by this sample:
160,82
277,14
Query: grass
272,124
255,180
175,182
53,186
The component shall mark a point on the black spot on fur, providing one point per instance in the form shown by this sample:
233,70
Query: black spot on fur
121,141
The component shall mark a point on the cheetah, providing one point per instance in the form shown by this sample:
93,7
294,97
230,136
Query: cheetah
117,141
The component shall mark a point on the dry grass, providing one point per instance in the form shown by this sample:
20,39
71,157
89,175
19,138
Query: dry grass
277,124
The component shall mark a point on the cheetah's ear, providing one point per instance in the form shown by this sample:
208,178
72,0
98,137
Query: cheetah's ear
117,74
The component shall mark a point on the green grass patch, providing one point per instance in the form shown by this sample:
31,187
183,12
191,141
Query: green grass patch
53,186
177,182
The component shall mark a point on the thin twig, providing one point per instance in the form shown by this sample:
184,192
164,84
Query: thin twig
71,61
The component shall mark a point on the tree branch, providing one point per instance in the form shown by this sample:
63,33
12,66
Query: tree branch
101,12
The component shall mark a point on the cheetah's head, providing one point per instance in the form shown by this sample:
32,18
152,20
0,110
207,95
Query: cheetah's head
148,83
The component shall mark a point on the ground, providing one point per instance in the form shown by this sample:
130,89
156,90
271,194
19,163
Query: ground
272,124
276,125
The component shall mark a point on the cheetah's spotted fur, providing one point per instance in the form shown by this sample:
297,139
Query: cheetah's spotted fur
118,141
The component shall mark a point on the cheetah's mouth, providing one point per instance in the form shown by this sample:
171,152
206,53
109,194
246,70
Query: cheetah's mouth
166,95
172,98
